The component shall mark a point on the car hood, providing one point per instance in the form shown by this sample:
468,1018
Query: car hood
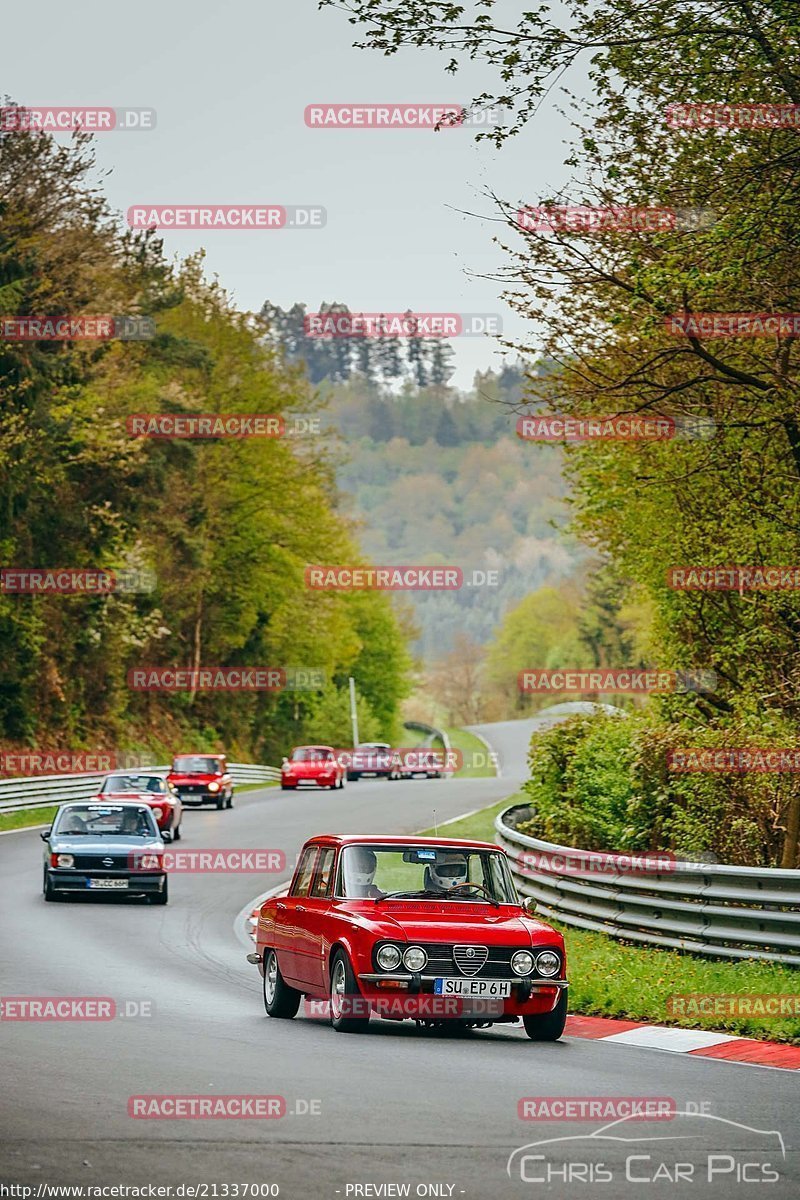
309,768
179,777
142,797
454,922
105,845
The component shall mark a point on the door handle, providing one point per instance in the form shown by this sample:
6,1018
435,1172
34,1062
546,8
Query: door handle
280,907
299,908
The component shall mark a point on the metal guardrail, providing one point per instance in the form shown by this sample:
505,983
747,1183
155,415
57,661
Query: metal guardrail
431,731
713,909
44,791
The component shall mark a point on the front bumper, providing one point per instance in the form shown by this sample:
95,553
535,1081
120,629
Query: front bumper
528,996
139,883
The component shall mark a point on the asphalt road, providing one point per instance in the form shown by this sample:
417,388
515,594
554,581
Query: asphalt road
394,1106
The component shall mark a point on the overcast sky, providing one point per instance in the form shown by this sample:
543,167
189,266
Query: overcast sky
230,84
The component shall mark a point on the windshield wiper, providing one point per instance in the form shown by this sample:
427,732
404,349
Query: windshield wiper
398,895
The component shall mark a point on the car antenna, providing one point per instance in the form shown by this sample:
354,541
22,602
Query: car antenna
435,826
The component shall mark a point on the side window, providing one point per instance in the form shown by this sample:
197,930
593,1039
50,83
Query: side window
304,872
323,876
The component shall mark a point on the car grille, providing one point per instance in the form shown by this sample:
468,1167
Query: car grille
193,789
103,862
445,960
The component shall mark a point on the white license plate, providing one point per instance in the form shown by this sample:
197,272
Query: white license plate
472,987
112,884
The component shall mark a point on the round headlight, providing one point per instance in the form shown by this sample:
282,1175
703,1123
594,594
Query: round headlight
388,958
522,962
158,813
65,860
213,787
414,958
548,963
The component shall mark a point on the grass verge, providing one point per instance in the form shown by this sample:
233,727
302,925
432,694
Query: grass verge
475,755
611,978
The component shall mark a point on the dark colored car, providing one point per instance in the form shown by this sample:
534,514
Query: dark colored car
149,789
421,928
202,779
99,847
370,758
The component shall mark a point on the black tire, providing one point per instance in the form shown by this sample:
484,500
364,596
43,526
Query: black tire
280,1000
230,801
343,983
220,803
548,1027
285,787
160,897
48,891
176,833
352,776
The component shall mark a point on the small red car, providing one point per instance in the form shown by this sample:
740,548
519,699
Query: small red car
202,779
426,928
154,790
313,764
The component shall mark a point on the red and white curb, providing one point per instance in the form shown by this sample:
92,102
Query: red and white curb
703,1043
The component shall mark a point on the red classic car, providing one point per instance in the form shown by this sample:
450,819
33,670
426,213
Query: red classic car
426,928
153,790
313,764
202,779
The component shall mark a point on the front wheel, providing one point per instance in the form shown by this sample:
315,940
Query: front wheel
50,893
176,833
548,1027
220,803
280,1000
161,897
230,801
345,998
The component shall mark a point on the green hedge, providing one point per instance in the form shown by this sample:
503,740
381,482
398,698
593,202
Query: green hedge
602,783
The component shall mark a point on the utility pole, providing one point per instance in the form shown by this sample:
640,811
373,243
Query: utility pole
353,713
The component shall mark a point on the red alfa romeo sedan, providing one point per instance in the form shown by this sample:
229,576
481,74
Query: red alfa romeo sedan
430,929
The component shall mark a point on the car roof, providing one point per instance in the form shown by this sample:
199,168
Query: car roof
198,754
315,747
360,839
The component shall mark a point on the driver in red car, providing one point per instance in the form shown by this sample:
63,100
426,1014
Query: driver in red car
362,865
447,872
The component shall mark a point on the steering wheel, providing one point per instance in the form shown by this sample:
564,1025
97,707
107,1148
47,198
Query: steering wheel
475,886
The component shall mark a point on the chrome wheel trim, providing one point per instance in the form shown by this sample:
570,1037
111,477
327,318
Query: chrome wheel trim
337,989
271,977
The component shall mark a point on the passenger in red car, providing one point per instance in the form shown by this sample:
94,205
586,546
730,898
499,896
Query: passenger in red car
361,867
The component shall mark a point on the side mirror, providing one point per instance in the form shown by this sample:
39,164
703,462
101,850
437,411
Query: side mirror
530,905
284,759
45,834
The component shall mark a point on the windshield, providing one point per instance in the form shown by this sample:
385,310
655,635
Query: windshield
135,783
425,873
311,754
196,765
106,820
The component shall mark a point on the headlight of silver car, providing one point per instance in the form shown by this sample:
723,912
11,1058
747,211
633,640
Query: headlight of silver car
548,963
65,860
522,962
388,958
414,958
